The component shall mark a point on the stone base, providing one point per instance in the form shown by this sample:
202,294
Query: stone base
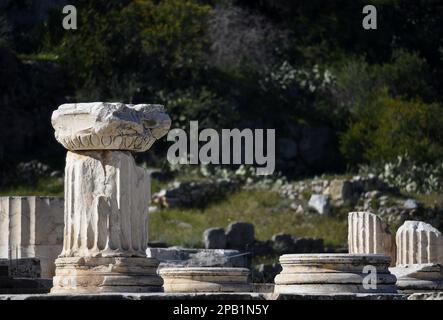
106,274
23,267
47,254
24,285
428,295
419,277
332,273
176,257
205,279
211,296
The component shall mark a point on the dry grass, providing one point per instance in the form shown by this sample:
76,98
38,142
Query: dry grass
264,209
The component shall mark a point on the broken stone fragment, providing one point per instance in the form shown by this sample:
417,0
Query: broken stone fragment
418,243
109,126
368,233
333,273
320,203
340,191
419,277
205,279
214,238
31,227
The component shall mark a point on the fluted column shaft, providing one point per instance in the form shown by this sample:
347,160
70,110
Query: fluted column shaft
368,234
418,243
106,197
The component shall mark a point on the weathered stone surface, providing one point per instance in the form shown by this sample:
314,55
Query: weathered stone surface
110,126
265,273
23,267
214,238
24,286
332,273
419,277
261,248
106,274
218,296
320,203
418,243
411,204
182,257
335,296
283,243
266,288
240,235
367,233
155,296
106,205
106,197
205,279
426,296
340,191
419,257
32,227
193,194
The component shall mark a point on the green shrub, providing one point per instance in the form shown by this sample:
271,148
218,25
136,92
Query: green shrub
408,175
388,127
200,104
172,30
129,49
407,76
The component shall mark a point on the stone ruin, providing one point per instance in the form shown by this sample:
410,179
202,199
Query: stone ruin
416,250
105,240
206,279
333,273
31,227
367,233
106,197
419,257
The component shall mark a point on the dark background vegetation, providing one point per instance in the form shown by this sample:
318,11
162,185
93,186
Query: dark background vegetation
339,96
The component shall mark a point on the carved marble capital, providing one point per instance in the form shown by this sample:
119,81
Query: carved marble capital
109,126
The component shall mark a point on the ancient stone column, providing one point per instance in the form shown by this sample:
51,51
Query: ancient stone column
32,227
106,197
333,273
369,234
418,243
419,257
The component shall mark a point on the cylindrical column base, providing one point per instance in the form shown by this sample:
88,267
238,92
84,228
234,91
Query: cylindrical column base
205,279
106,274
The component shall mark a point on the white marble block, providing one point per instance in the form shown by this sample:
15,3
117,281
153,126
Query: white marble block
369,234
419,243
106,197
109,126
205,279
32,227
419,257
333,273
